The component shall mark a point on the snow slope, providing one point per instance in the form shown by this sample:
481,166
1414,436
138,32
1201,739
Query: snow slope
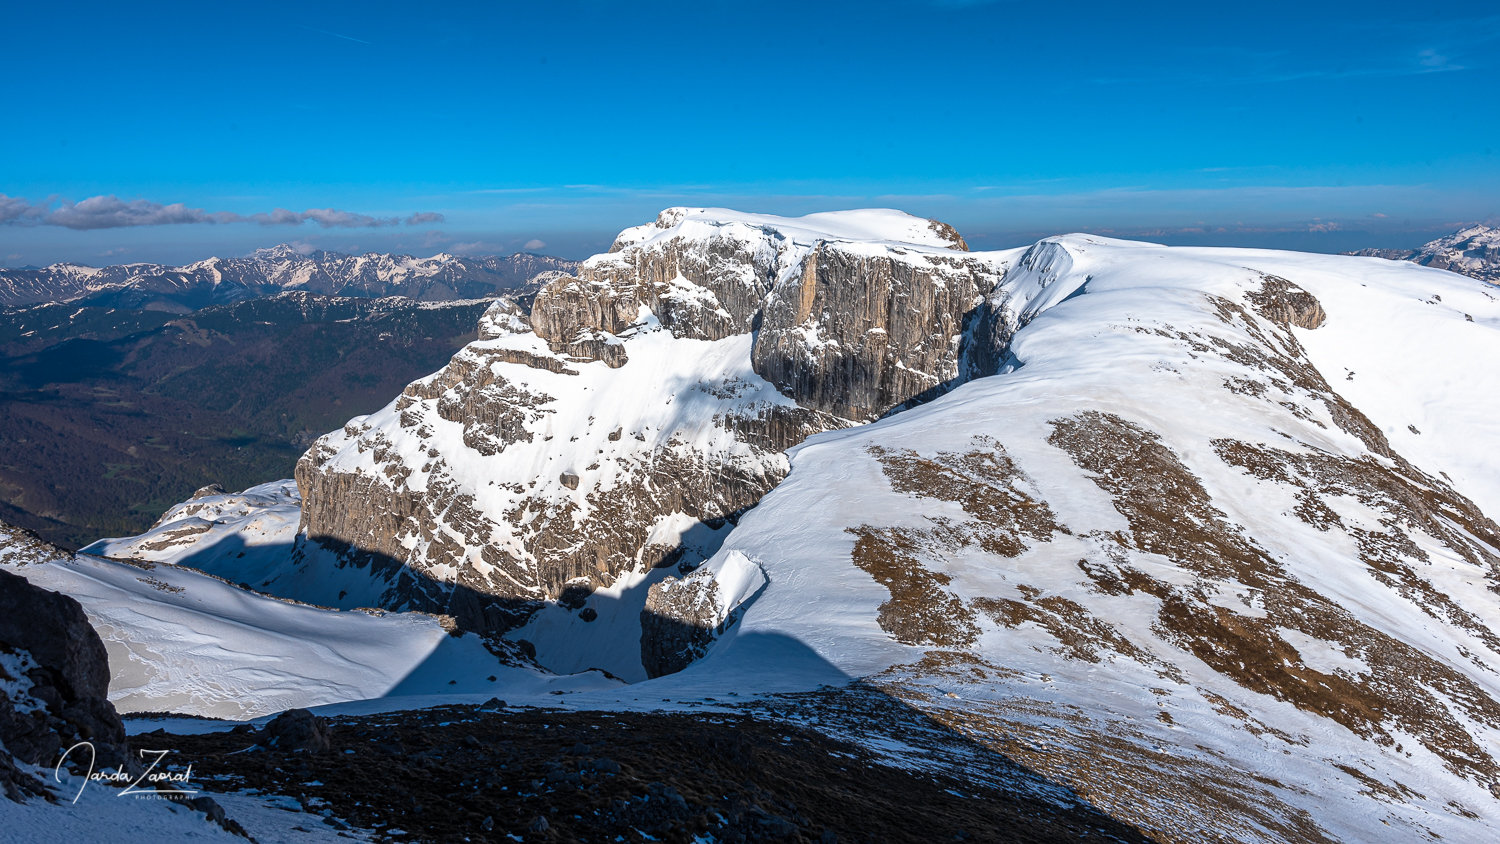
244,537
1164,560
185,642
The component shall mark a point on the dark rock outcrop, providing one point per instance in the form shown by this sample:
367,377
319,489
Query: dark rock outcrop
1287,304
55,676
946,232
16,785
297,730
683,616
677,627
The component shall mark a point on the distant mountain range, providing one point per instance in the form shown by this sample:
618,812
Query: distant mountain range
280,269
1473,251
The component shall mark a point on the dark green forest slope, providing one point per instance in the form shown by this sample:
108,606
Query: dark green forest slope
109,416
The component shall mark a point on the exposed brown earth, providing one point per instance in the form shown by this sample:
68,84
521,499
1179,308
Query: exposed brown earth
920,611
989,486
1171,514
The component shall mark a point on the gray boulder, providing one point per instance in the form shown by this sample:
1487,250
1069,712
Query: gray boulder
298,730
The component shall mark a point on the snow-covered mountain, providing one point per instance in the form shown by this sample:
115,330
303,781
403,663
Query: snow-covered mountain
617,428
1473,251
267,272
1204,535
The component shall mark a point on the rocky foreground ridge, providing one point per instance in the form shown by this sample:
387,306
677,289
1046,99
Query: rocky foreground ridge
280,269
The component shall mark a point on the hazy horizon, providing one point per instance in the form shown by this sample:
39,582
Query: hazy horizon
581,245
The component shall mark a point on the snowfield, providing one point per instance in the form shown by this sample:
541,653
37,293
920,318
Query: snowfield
182,641
246,536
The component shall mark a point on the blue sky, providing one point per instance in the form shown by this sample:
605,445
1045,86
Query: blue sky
1302,125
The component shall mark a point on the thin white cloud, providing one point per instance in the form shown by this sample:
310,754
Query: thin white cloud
1433,61
534,244
477,247
334,34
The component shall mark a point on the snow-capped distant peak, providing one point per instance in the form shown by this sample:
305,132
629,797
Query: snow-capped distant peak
1473,251
276,269
280,250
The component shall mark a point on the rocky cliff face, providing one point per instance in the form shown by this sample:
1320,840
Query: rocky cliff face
857,331
583,438
517,474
